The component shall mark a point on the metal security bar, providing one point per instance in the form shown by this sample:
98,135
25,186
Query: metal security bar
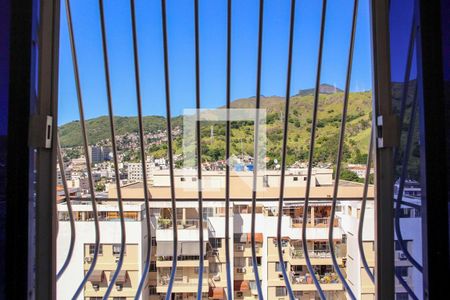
311,150
86,150
170,149
142,148
69,209
363,211
284,151
227,155
198,148
114,148
340,151
255,152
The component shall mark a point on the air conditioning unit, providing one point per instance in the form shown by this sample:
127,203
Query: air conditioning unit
119,287
240,270
88,259
96,287
240,248
401,256
216,277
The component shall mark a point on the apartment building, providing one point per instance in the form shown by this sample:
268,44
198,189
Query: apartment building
410,226
82,257
134,171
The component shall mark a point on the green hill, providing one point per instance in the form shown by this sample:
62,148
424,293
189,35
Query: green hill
300,118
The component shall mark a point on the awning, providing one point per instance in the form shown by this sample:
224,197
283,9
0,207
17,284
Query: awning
166,248
191,248
216,293
97,276
241,286
258,237
122,277
184,248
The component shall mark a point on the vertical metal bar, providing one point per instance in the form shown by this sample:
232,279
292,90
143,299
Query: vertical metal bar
363,210
142,148
384,229
169,144
198,149
284,150
69,209
227,154
114,148
311,152
86,150
341,150
255,151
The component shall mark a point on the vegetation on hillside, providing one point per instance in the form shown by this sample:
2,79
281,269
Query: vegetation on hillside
300,118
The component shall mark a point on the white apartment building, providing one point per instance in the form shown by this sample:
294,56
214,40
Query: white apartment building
135,171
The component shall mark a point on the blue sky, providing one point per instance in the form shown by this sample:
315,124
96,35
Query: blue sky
85,14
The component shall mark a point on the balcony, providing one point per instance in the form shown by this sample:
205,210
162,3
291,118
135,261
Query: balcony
186,283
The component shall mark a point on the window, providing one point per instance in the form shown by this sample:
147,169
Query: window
278,266
401,296
398,247
196,269
182,179
281,291
215,243
214,268
403,271
153,266
258,261
239,262
152,290
119,298
295,178
194,179
239,294
154,241
116,249
92,249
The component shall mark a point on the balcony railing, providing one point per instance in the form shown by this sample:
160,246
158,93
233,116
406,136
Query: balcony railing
181,224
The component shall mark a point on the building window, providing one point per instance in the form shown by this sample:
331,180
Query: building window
401,296
152,290
403,271
398,247
182,179
196,269
278,266
92,249
152,266
119,298
281,291
295,178
214,268
153,240
239,294
239,262
194,179
116,249
258,261
215,243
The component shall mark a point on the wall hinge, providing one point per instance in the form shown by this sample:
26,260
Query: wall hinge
40,132
387,131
